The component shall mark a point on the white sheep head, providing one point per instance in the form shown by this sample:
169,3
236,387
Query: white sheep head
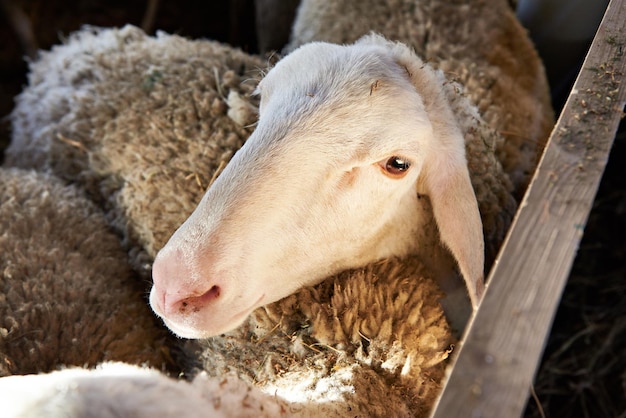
349,140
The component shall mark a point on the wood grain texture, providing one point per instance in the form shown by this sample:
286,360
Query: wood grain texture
494,369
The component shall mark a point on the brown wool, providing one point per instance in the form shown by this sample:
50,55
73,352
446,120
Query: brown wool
69,296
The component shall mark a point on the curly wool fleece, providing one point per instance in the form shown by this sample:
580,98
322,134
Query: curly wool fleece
67,293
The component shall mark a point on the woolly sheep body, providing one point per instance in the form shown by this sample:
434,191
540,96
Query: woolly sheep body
140,122
63,275
121,390
481,44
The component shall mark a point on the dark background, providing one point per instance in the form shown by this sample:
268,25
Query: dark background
583,372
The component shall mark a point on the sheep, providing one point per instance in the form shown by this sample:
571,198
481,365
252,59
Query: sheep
146,124
372,132
122,390
205,268
67,293
86,129
140,122
480,44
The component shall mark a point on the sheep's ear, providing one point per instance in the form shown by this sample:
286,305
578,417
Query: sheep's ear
445,180
445,177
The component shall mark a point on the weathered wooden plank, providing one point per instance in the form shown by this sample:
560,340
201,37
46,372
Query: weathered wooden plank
496,364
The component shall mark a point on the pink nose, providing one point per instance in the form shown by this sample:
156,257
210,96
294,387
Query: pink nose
180,285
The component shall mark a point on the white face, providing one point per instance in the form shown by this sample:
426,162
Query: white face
325,183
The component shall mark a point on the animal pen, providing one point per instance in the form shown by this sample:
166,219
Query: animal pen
492,372
502,346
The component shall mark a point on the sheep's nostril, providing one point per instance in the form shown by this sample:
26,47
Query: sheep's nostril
209,295
195,303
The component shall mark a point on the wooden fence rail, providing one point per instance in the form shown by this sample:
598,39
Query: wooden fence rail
494,369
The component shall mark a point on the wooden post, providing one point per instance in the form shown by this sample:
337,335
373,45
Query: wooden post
494,369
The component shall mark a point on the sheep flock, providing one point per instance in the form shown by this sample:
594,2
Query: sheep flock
320,227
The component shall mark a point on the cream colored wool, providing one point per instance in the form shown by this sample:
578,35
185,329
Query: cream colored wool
67,293
478,43
119,390
143,123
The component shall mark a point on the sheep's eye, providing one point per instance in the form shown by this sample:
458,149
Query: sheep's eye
395,166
